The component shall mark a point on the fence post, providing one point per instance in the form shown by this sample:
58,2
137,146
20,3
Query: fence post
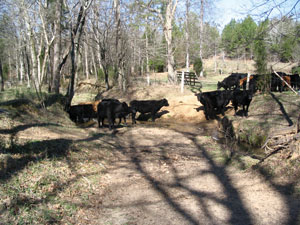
248,78
182,81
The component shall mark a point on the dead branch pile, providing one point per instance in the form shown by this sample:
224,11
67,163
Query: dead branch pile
286,141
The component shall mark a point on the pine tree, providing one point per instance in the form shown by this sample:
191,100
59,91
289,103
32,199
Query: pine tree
260,56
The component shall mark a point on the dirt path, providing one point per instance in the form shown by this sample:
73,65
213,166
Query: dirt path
169,176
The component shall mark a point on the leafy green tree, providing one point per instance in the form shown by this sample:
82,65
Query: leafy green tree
237,37
246,33
230,38
198,65
260,53
286,48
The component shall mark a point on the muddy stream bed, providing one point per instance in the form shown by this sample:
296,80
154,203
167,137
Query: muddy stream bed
210,129
169,173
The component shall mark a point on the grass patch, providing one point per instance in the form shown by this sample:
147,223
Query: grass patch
44,180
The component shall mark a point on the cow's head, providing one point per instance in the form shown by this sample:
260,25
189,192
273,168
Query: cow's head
165,102
125,106
198,96
220,84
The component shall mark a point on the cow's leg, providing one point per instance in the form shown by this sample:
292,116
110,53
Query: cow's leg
110,121
99,121
235,109
124,118
211,112
153,113
244,110
206,113
247,108
223,110
120,120
133,117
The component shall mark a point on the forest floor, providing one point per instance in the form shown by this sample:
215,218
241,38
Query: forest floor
172,171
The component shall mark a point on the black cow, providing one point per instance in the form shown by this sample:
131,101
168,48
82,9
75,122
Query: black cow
232,81
252,83
147,106
241,98
214,102
276,83
112,109
77,113
121,114
295,81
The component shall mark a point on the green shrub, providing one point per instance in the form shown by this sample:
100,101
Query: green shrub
263,83
100,74
296,70
157,65
198,66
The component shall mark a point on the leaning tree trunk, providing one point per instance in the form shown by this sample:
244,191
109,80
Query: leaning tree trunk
70,92
76,33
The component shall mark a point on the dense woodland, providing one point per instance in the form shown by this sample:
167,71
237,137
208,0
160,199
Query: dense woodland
44,41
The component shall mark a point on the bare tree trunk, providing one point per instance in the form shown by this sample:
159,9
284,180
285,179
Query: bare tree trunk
57,47
1,76
147,55
140,62
76,33
187,39
215,59
17,65
94,64
9,67
201,33
166,20
70,92
168,27
87,72
99,55
118,63
28,68
21,60
133,44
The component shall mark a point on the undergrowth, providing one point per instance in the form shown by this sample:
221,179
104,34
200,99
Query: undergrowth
44,180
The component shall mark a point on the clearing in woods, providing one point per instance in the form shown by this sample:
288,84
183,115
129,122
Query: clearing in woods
151,173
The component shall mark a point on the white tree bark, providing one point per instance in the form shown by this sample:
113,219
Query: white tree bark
166,20
147,55
201,33
187,39
87,72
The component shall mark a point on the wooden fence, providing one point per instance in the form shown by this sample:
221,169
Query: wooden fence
190,78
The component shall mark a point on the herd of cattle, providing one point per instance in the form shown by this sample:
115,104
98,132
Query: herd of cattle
111,109
214,102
